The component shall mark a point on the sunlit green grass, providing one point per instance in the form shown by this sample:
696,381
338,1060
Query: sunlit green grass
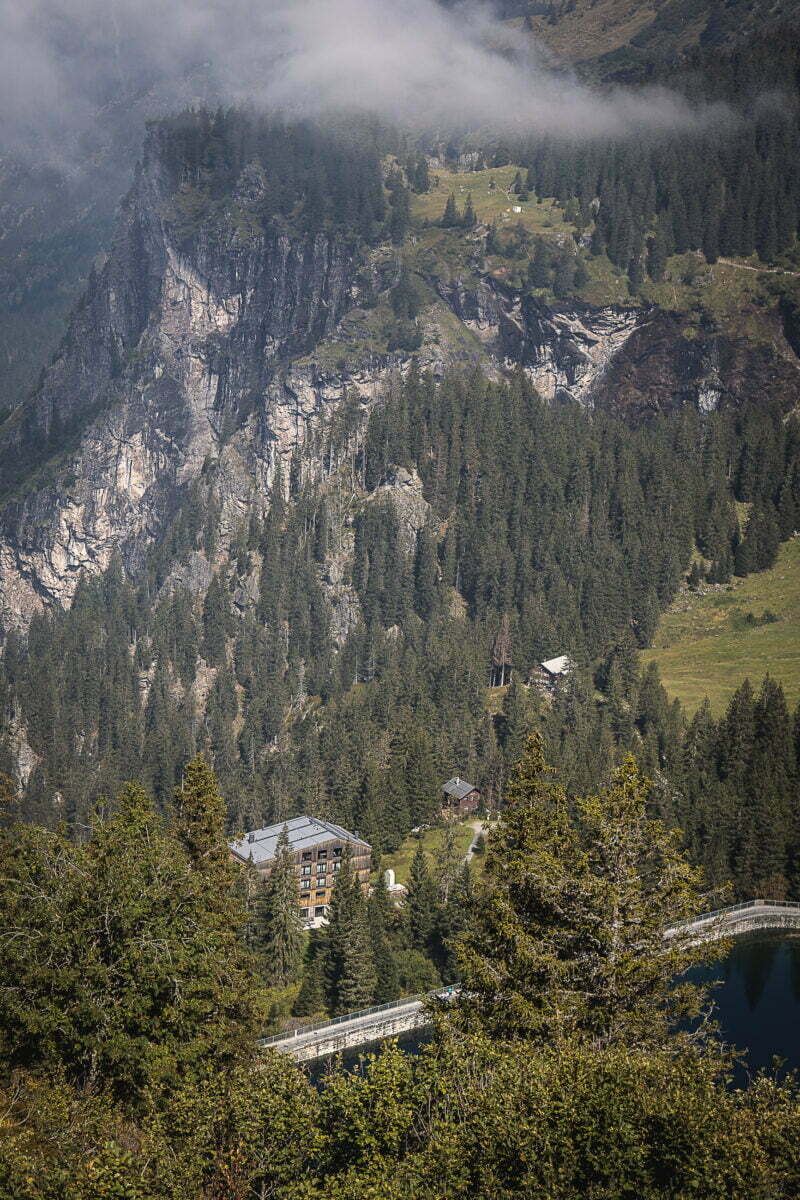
490,204
704,646
432,843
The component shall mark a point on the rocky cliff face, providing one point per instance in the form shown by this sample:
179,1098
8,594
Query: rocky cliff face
172,361
631,360
669,363
203,357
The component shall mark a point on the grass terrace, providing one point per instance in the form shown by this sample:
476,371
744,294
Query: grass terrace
707,644
490,204
432,843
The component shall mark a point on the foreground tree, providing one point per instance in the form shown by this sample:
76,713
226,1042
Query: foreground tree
475,1119
281,933
349,965
421,901
566,936
119,964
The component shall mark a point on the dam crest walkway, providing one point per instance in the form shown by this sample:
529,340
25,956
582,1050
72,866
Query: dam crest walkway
370,1025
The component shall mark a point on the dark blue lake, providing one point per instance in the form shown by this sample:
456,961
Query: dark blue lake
758,1001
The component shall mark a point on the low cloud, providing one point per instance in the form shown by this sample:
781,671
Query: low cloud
416,62
63,63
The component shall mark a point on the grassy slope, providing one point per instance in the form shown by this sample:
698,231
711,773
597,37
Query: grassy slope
490,205
432,842
628,32
738,295
704,647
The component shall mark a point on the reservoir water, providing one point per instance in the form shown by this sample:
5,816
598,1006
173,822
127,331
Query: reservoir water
758,1005
758,1000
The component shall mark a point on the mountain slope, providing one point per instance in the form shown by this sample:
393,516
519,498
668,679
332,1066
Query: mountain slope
609,36
305,452
707,644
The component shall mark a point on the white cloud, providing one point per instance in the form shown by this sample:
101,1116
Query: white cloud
410,60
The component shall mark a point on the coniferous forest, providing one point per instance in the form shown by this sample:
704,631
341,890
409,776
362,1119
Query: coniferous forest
360,421
548,518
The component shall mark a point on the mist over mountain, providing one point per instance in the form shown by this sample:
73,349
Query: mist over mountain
62,64
78,82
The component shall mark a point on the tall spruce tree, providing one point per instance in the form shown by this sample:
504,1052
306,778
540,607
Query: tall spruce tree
200,819
146,983
381,918
281,940
566,935
450,217
421,901
350,978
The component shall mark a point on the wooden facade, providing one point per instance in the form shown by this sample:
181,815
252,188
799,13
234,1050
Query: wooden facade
316,871
317,849
548,677
459,798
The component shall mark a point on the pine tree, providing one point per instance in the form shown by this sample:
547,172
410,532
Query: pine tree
281,941
147,981
358,980
421,904
200,820
216,622
311,997
380,911
539,270
469,219
657,253
426,574
450,218
350,978
566,936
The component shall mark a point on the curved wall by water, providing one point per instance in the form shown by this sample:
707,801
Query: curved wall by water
758,1005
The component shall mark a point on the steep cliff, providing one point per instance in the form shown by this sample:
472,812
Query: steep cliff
173,358
214,340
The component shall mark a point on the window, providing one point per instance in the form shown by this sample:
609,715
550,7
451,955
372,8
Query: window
319,911
305,895
335,866
304,912
322,854
337,851
318,894
321,868
306,856
307,870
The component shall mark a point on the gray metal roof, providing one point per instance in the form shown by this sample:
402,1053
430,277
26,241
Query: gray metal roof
260,845
458,788
557,666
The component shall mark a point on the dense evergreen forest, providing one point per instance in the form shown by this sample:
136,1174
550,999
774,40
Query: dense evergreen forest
572,529
129,1056
729,186
241,166
368,623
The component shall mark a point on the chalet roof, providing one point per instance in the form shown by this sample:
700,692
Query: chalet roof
260,845
557,666
458,788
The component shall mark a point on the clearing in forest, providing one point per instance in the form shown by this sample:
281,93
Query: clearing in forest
707,644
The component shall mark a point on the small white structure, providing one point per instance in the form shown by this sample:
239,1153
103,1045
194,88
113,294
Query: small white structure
516,208
557,666
396,890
